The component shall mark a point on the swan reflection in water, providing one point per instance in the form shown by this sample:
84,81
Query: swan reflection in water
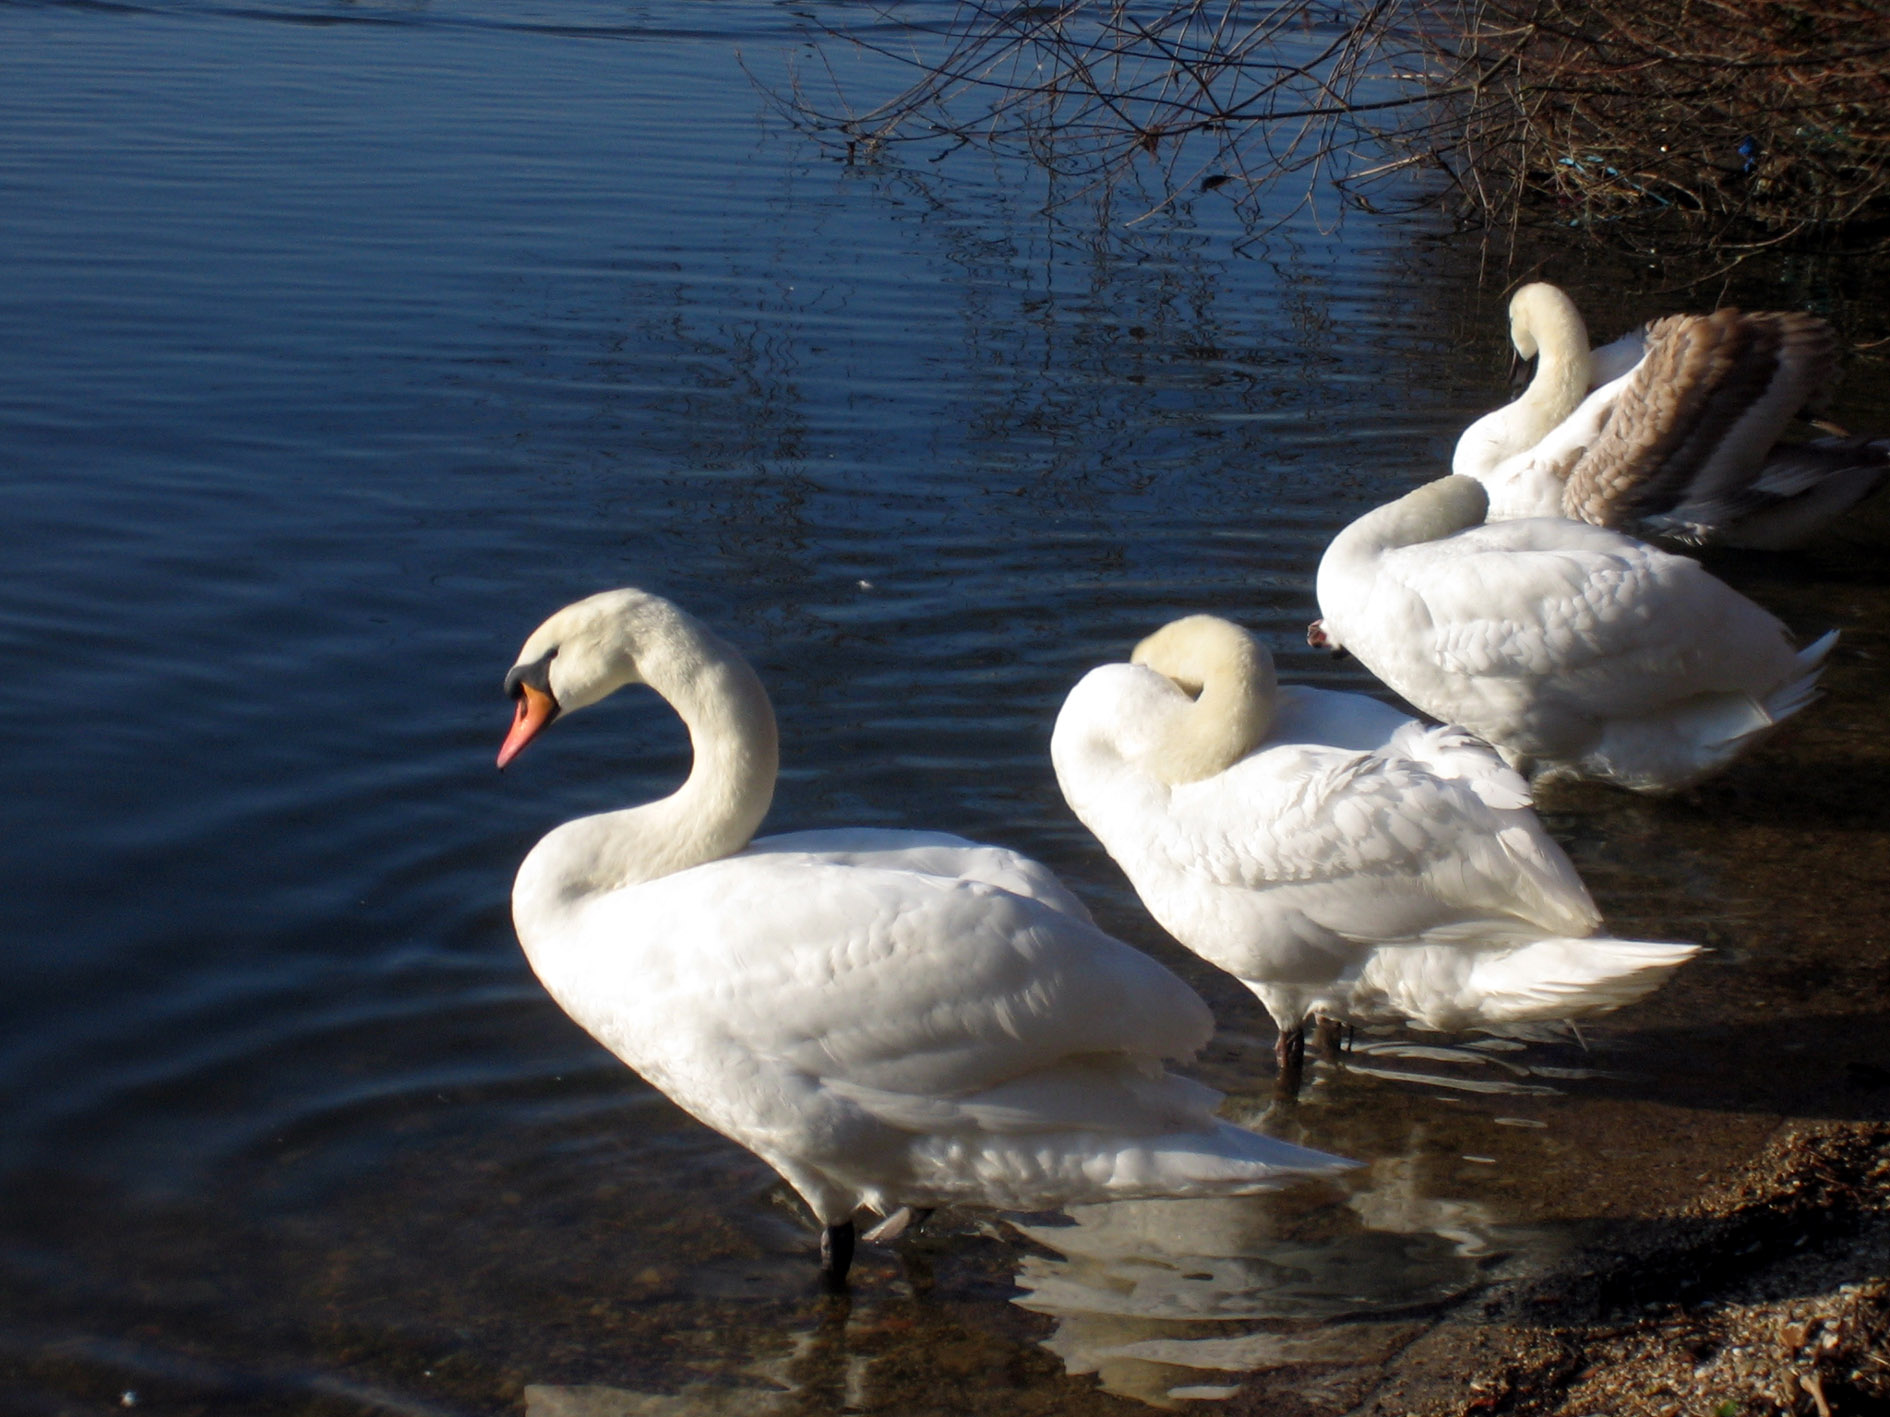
817,1363
1162,1301
1171,1300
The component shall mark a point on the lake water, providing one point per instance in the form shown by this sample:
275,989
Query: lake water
345,341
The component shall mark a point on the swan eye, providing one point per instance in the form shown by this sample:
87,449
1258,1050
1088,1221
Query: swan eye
536,675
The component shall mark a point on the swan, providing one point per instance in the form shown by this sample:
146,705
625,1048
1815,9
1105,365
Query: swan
1575,651
1679,437
892,1020
1341,860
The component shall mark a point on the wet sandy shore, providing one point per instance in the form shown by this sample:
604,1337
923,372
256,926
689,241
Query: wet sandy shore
1765,1294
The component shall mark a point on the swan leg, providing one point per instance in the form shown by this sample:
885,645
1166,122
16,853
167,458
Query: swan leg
1329,1038
1289,1058
836,1256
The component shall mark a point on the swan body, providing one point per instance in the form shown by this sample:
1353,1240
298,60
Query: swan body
1574,650
1680,436
887,1018
1338,858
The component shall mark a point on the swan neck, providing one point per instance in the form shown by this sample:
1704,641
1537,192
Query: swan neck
1434,511
1230,676
1226,723
1563,362
715,813
736,758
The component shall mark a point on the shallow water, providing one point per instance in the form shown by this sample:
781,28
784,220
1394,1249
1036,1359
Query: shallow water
345,342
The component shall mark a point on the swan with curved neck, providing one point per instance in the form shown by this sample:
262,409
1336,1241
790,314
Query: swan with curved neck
1680,433
1574,650
1546,326
1341,860
1230,681
587,652
892,1020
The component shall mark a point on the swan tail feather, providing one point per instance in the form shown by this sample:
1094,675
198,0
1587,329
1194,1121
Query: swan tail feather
1559,978
1787,699
1698,737
1790,697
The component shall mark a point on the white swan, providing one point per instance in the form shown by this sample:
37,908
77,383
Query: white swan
889,1019
1338,858
1574,650
1680,436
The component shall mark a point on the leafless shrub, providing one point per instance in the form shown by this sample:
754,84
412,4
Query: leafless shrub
1704,123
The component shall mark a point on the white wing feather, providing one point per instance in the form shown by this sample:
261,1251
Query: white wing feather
1597,623
884,978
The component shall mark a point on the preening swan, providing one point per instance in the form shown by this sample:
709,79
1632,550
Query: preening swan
1681,437
1546,326
1573,650
887,1018
1337,858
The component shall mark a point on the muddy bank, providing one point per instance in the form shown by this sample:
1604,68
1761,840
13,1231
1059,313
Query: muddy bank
1768,1293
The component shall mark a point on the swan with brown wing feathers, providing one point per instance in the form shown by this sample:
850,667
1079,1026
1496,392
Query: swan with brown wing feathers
1688,443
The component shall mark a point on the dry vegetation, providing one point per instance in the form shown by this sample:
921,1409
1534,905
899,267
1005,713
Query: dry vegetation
1684,123
1722,122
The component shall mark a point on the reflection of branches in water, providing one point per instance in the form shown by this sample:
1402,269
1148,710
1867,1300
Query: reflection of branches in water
1713,124
1209,96
1111,371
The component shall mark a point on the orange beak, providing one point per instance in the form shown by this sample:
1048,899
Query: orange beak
536,708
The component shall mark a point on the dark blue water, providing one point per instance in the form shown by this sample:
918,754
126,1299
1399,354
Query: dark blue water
343,342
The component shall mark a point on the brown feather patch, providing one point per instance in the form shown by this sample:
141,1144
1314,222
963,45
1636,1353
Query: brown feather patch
1701,411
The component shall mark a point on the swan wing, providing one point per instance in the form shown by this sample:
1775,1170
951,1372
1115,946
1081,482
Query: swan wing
1701,411
1302,714
1801,489
1582,617
883,979
1399,847
1798,468
1608,362
1452,752
931,854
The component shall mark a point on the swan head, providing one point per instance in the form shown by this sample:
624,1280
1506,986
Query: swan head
1229,675
1200,649
584,653
1539,309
